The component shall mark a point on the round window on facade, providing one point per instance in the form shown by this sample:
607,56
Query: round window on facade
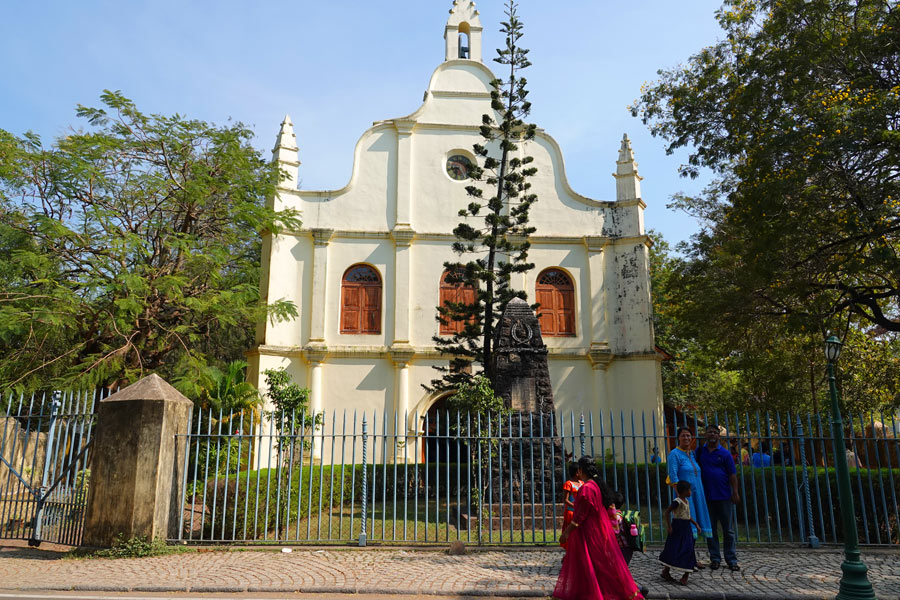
459,167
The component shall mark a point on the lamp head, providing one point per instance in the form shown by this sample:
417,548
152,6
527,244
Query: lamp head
833,348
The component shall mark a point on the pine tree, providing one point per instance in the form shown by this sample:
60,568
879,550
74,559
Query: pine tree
498,246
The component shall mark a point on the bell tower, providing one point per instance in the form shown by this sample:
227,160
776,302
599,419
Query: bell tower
463,32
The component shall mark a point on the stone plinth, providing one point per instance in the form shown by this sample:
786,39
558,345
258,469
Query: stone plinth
137,468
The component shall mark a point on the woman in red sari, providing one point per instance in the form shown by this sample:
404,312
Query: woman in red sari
593,568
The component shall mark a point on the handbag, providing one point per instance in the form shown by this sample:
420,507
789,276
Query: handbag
633,530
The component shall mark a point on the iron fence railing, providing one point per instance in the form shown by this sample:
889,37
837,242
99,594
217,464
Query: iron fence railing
45,442
439,477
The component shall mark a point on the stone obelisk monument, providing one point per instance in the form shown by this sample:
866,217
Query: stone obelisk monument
533,454
521,376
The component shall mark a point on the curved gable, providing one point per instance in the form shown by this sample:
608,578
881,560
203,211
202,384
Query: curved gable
399,167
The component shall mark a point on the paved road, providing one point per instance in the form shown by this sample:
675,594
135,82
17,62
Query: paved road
17,595
767,574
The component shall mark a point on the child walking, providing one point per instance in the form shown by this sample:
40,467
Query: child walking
678,552
614,513
616,520
570,488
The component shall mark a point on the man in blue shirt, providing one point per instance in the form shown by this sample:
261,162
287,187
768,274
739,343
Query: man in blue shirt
721,489
761,459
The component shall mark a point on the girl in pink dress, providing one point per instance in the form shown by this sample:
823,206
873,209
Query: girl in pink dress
593,568
570,488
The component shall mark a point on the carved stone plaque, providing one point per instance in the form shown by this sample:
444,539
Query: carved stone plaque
520,360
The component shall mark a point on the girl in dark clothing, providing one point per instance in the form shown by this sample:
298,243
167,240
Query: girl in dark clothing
678,552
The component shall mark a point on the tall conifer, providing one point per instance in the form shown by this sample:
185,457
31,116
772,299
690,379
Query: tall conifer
494,232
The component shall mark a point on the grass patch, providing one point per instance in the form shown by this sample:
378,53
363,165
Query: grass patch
133,547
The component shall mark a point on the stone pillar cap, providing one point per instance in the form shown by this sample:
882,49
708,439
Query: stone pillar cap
152,387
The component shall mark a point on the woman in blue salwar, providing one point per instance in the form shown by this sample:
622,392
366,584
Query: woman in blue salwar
682,466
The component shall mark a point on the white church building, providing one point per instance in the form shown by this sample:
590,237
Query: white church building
366,269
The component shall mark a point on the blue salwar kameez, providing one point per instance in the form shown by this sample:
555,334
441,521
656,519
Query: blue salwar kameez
682,466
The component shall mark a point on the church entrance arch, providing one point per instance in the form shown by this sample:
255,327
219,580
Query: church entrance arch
437,426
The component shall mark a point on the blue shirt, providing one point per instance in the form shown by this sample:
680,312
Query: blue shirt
716,469
760,460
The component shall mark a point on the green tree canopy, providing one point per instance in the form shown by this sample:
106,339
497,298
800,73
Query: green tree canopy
797,111
771,364
131,247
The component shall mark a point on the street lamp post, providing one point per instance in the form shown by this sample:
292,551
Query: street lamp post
854,582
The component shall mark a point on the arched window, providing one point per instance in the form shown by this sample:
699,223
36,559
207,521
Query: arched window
556,295
361,300
454,292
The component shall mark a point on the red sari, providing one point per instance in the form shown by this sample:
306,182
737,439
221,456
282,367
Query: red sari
593,568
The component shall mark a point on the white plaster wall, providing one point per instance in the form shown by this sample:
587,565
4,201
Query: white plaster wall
436,198
290,278
633,386
428,259
630,220
366,203
266,260
422,372
632,325
559,211
462,77
572,383
296,367
359,384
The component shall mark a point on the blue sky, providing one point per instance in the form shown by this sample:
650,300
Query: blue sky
337,66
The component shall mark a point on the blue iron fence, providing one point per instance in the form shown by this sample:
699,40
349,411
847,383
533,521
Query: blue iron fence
439,477
45,442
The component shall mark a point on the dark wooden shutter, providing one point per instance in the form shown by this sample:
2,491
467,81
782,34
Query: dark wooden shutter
547,311
371,311
350,308
448,294
565,303
555,293
457,293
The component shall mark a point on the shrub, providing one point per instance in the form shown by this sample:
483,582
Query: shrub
770,498
243,507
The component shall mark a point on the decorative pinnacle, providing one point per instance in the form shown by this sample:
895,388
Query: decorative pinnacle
286,138
626,164
461,4
628,182
286,154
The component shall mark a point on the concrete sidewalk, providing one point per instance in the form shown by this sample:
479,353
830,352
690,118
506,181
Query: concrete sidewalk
519,573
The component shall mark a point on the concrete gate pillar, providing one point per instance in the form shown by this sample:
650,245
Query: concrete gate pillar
138,464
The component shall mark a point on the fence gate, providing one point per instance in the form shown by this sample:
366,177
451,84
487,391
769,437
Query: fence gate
45,442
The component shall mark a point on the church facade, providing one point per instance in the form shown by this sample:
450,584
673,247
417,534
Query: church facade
366,269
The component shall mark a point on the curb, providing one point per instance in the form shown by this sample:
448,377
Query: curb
479,592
